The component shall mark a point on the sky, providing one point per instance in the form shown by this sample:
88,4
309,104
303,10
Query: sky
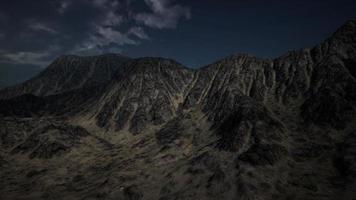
193,32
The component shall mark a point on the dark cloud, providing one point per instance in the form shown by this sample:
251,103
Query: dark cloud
193,32
38,58
63,5
138,32
45,29
25,58
39,26
164,14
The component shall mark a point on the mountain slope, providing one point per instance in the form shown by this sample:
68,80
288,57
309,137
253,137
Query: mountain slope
68,73
240,128
147,91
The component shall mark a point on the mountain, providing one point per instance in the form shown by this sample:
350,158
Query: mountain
69,73
111,127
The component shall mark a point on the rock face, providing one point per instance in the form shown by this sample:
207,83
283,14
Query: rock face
110,127
147,91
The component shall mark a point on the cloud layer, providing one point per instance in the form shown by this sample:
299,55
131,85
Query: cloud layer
164,14
25,58
81,27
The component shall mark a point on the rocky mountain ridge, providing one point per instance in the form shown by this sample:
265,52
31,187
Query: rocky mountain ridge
150,128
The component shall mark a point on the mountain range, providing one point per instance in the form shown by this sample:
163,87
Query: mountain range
114,127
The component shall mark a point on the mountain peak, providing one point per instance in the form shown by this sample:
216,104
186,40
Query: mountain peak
149,65
159,61
347,30
350,23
